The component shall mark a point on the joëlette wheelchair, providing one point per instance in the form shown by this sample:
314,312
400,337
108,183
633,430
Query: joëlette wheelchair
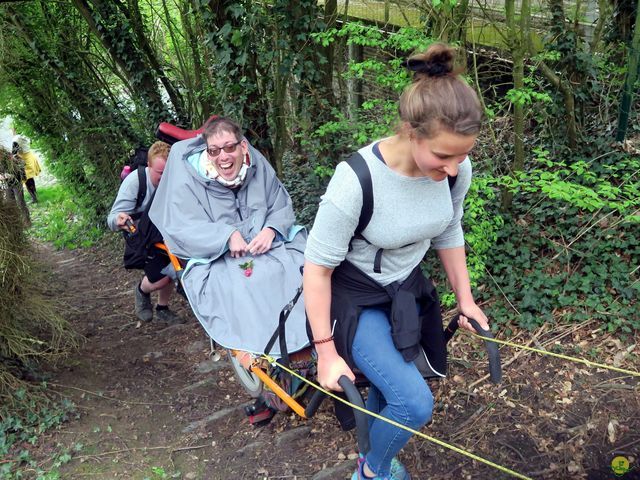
276,390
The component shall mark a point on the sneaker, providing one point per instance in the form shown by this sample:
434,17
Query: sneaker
398,471
144,310
359,474
167,316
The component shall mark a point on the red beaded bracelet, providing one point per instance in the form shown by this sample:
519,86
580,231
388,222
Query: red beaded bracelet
324,340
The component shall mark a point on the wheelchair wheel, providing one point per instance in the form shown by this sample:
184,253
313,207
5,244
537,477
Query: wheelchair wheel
251,383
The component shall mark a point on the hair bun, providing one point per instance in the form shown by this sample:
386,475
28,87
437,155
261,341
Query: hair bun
436,61
430,68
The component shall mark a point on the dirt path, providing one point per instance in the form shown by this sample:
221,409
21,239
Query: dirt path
152,404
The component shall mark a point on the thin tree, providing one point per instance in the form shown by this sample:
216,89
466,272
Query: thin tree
632,76
518,38
110,27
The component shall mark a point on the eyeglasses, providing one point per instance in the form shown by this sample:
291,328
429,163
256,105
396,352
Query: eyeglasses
214,151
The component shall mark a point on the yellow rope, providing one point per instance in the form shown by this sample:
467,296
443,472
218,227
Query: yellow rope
440,442
398,425
558,355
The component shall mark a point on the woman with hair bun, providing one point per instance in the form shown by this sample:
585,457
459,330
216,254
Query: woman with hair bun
368,303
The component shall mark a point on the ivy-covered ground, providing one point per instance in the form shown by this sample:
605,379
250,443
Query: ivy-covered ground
150,403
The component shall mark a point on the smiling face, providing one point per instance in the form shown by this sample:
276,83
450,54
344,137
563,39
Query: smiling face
227,164
439,156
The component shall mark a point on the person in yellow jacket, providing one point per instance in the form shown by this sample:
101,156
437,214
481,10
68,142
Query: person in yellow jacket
31,165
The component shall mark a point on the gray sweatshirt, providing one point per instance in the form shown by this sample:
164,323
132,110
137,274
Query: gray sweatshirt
126,199
410,215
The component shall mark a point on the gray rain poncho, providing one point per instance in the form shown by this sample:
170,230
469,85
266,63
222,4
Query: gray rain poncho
196,216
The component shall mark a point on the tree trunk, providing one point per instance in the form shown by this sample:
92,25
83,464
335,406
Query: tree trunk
460,19
569,102
248,103
190,20
135,18
562,82
517,38
354,90
330,17
632,75
87,102
281,80
604,13
119,42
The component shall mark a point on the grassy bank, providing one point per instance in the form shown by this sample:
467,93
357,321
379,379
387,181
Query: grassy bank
59,219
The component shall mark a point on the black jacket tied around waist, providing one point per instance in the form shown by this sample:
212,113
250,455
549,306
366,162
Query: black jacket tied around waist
352,290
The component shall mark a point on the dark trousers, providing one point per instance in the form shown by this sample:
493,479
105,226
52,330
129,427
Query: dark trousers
31,188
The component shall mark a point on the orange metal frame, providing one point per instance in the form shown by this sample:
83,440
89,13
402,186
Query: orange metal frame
175,261
254,366
269,382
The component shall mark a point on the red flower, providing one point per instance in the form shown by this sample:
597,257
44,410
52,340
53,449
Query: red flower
247,268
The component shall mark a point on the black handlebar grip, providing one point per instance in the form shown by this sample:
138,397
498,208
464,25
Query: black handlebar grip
314,403
495,369
362,423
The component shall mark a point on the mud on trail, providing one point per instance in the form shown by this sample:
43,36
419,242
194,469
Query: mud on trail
151,404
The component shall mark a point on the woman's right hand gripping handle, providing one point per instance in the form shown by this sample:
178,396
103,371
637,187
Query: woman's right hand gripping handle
331,367
317,300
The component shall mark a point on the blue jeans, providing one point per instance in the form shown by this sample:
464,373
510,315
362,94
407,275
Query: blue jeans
397,390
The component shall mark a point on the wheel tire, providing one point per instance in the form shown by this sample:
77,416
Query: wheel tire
251,383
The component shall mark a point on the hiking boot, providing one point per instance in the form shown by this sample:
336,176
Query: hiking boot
144,310
167,316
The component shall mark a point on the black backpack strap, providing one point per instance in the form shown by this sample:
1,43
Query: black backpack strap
142,186
377,261
359,165
146,226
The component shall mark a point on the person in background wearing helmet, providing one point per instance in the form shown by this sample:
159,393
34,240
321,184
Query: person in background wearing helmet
32,166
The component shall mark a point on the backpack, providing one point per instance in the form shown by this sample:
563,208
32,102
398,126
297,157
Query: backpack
137,159
14,166
138,243
359,165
